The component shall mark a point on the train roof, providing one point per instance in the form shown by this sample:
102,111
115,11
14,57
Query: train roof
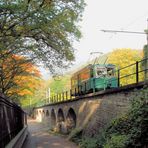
86,67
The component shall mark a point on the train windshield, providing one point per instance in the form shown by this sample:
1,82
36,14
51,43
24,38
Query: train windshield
110,72
104,71
101,71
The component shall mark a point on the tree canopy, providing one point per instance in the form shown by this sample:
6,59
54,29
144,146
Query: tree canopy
18,76
43,31
124,57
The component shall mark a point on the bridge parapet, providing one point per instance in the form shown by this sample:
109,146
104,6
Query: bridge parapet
12,120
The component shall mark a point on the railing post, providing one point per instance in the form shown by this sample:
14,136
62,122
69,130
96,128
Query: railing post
137,72
85,87
80,90
54,99
66,95
70,94
57,98
75,92
63,96
94,86
60,97
51,99
118,77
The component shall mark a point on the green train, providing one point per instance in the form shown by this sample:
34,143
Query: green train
92,78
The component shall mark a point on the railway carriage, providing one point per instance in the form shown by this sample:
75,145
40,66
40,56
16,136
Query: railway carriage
94,78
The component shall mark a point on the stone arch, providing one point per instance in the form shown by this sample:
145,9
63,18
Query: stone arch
47,113
60,127
71,119
53,118
43,113
60,116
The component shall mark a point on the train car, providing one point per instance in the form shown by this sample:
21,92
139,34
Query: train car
93,78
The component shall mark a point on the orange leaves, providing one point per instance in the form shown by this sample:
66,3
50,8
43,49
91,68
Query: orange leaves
18,76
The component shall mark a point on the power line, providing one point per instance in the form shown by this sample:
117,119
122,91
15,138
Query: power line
134,32
118,31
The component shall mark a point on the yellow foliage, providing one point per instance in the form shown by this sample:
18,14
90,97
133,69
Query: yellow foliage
124,57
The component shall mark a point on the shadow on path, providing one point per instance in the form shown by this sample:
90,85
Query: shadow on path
39,138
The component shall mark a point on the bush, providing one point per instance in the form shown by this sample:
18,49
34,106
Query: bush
76,135
89,143
128,131
133,125
116,141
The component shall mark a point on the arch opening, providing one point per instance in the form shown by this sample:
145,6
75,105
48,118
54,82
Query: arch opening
71,120
47,113
43,113
60,121
53,118
60,115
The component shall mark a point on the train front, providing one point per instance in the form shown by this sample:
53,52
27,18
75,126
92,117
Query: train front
105,76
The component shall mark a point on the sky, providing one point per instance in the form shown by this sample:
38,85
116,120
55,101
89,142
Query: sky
100,15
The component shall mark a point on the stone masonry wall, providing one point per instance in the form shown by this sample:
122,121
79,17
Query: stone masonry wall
92,113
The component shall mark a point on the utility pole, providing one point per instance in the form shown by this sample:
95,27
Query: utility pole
146,31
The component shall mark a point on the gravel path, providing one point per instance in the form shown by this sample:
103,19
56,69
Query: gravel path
39,138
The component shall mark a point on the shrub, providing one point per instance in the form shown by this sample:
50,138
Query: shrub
133,125
89,143
116,141
76,135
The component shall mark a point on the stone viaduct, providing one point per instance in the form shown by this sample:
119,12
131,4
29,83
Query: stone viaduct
91,112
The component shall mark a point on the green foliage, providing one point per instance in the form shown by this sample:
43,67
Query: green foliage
63,84
116,141
76,135
128,131
89,143
42,30
96,141
133,125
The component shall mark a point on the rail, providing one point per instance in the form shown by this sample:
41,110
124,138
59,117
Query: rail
131,74
12,120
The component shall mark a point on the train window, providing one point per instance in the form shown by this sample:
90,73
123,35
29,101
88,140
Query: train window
110,72
101,72
91,73
85,74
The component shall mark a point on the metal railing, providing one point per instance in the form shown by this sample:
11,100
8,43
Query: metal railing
131,74
12,120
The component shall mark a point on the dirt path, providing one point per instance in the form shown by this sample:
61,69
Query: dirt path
39,138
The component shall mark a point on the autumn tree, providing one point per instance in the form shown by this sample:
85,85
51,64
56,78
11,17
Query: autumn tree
41,30
63,84
124,57
18,76
36,95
